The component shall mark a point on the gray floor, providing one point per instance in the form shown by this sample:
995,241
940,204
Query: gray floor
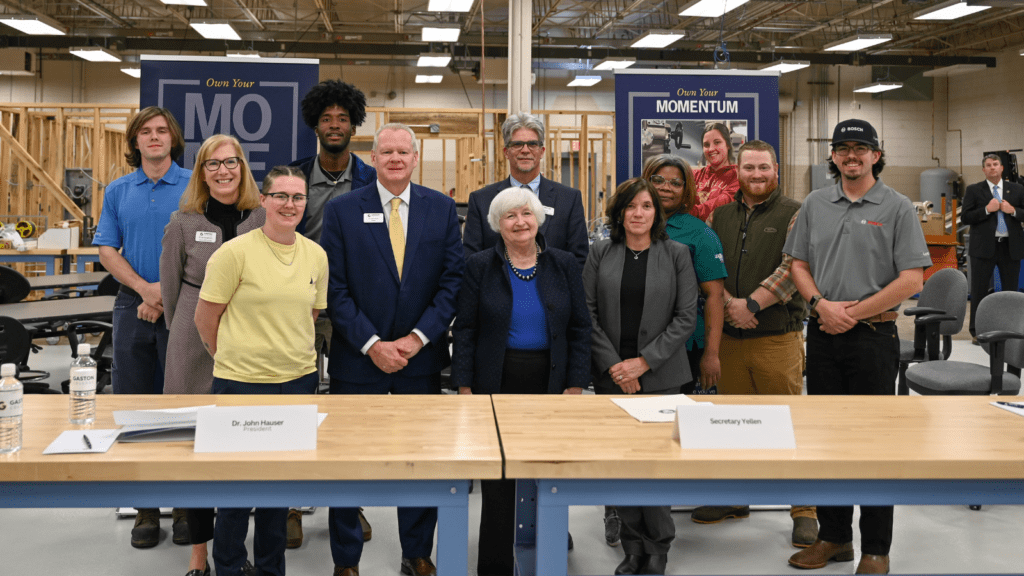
928,539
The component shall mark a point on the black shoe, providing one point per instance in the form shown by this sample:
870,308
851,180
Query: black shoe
570,542
146,532
655,564
612,525
248,569
198,572
631,564
179,527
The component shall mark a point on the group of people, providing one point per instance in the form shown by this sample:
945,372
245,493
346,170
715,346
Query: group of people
230,290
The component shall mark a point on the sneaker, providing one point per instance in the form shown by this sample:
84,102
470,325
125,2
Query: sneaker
612,525
715,514
146,532
294,529
179,527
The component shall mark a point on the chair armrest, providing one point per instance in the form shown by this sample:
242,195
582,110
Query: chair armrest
933,319
996,340
999,336
922,310
926,334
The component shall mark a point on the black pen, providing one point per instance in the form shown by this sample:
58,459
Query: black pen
1011,405
86,440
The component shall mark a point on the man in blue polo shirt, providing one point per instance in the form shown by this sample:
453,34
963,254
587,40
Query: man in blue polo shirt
136,208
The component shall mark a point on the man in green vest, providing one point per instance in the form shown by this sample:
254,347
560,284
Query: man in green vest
762,348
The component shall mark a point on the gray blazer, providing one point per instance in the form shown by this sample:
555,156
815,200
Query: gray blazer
670,313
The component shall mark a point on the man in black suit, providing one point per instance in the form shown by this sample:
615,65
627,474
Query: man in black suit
994,209
564,225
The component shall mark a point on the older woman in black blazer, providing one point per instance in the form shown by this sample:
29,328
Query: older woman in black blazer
522,327
642,295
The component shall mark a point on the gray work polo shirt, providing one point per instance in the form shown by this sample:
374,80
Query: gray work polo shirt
854,249
321,190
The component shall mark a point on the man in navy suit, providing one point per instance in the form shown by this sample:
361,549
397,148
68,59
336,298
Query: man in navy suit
564,225
396,264
994,209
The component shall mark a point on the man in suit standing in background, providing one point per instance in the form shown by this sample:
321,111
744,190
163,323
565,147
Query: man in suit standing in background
564,225
396,264
993,208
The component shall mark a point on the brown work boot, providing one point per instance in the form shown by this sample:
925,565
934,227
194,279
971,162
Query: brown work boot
365,524
805,531
294,529
818,555
146,532
873,564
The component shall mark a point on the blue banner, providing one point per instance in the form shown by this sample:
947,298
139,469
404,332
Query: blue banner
665,112
256,101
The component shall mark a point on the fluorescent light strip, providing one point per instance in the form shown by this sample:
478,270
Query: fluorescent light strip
433,60
33,26
95,54
784,66
656,39
879,87
243,54
585,81
184,2
432,34
449,5
428,78
133,72
948,11
712,8
859,42
215,30
615,63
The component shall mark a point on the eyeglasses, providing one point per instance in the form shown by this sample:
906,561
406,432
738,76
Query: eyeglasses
531,144
229,163
658,180
283,198
859,150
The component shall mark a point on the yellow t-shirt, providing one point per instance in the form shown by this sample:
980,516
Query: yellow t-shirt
266,332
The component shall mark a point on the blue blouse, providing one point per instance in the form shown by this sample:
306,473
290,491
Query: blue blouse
528,325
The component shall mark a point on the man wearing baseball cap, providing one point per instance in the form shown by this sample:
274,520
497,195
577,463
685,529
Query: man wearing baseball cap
858,252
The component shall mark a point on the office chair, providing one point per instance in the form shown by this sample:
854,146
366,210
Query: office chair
940,311
102,353
14,287
1000,328
15,347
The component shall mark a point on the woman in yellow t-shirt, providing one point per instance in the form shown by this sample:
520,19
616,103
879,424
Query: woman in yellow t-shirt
259,299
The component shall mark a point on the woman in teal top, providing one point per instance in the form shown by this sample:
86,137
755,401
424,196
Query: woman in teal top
672,177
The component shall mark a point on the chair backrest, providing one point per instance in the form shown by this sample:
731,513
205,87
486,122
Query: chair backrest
13,286
1004,311
14,341
946,290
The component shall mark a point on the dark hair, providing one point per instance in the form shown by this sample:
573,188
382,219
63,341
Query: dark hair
131,134
726,135
624,194
655,163
992,157
758,146
875,170
280,172
333,93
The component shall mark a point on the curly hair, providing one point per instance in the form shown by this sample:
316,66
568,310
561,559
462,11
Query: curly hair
333,93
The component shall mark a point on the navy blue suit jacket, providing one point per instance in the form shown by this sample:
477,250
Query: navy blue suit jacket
566,229
364,295
485,311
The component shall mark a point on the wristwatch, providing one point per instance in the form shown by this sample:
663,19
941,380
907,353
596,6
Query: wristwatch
814,301
753,306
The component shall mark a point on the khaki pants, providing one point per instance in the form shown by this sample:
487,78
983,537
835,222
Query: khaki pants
765,365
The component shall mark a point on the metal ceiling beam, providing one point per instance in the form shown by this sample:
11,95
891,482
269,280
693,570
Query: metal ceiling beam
101,11
252,17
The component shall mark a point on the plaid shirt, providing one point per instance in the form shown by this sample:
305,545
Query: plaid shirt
780,282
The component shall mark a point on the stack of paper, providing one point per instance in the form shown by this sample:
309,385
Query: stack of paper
171,425
653,409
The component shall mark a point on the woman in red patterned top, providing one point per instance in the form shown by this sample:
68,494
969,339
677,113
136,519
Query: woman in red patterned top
716,182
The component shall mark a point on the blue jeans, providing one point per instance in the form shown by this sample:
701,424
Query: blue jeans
415,525
140,349
229,553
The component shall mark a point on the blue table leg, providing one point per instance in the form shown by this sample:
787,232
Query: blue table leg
453,535
526,528
552,531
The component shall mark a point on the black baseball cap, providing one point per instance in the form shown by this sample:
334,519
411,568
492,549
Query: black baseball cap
855,131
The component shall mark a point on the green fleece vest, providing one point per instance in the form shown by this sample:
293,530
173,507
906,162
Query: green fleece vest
753,250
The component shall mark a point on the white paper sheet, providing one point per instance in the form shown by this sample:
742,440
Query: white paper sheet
654,408
72,442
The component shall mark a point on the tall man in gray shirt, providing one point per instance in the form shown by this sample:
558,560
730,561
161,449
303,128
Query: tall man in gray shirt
858,252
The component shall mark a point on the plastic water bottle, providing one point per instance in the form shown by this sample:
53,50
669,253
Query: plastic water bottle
83,387
10,410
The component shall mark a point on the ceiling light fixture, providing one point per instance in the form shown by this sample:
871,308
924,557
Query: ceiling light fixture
615,63
449,5
784,66
215,30
657,39
711,8
428,78
954,70
243,54
585,81
95,54
858,42
950,10
184,2
133,72
878,87
34,25
440,34
435,60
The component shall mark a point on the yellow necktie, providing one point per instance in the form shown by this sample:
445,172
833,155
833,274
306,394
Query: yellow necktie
397,235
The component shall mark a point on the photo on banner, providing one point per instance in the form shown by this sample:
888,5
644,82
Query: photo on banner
666,111
257,101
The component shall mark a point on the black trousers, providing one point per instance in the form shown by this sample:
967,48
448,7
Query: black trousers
862,361
200,525
524,372
981,276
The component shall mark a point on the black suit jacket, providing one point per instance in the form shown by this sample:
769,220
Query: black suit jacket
485,310
566,229
983,224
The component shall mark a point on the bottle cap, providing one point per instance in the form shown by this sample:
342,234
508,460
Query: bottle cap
8,370
84,349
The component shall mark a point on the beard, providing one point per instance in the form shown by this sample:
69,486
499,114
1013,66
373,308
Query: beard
759,196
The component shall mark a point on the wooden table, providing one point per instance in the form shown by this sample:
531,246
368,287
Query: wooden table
81,280
584,450
87,308
371,451
82,256
45,256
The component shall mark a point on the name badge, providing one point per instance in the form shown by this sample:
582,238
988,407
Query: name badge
373,218
549,211
206,236
256,428
708,426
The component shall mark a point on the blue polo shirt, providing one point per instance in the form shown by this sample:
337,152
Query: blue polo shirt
135,213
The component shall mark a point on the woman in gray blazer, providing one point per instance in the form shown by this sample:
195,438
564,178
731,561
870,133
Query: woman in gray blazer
642,294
